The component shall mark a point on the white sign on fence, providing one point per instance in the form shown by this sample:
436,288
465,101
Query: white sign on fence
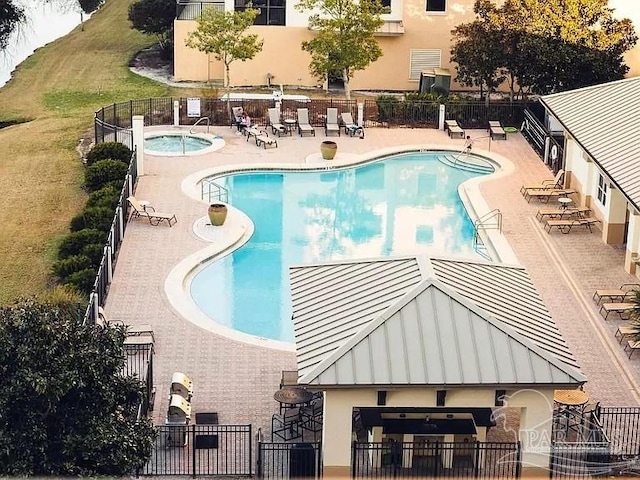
193,107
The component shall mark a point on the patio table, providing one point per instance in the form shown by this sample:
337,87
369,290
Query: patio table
293,396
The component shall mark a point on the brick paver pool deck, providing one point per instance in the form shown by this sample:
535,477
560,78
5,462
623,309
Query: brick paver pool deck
238,380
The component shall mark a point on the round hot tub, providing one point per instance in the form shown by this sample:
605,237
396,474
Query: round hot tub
179,144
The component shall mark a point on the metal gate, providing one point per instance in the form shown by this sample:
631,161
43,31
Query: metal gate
289,460
201,450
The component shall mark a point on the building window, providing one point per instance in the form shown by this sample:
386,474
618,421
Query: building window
423,59
603,190
386,3
272,12
436,5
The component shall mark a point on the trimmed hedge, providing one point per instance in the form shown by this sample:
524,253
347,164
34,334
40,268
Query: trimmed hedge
65,267
107,196
94,251
73,243
99,218
109,150
103,172
83,280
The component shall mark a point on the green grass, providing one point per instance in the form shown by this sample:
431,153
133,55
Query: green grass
50,104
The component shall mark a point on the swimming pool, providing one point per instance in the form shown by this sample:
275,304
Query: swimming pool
180,144
404,204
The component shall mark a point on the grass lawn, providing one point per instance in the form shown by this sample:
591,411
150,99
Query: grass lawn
58,89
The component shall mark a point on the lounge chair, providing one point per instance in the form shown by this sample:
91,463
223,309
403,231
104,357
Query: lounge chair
350,127
274,120
303,122
625,292
559,213
132,330
632,346
236,115
545,184
565,225
543,195
155,218
496,132
331,123
622,309
264,139
453,129
625,331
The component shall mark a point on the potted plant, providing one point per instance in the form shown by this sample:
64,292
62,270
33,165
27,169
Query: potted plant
217,213
328,149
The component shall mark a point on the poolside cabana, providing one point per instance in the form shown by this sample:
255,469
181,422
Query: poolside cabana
602,156
423,350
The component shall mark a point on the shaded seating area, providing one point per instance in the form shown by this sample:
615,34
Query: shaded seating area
557,182
453,129
300,411
147,211
496,132
303,122
625,292
565,225
331,123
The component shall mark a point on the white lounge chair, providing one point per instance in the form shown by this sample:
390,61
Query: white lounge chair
148,212
545,184
274,121
496,131
350,127
453,129
303,122
331,123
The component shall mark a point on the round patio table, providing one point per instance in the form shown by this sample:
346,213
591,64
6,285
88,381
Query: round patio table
570,398
293,395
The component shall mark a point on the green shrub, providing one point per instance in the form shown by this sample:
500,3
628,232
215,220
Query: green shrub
387,105
75,263
107,196
94,251
82,280
109,150
73,243
102,172
99,218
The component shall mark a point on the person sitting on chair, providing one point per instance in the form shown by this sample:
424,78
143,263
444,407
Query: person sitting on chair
244,122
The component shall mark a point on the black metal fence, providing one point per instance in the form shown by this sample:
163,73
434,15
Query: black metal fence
622,427
202,450
549,147
436,459
289,460
113,122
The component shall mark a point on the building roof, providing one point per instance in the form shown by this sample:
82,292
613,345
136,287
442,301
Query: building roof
605,120
425,321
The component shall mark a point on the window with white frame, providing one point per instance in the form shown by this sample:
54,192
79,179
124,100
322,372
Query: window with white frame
603,190
423,59
436,5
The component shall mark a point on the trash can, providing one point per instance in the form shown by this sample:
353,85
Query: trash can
302,461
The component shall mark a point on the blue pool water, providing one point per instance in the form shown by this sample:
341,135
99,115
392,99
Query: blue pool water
401,205
174,143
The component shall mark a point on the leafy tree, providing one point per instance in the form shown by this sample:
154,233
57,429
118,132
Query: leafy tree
67,408
223,34
155,17
344,40
11,15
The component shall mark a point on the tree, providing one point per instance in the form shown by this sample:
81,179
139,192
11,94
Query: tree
344,41
224,35
11,15
67,409
155,17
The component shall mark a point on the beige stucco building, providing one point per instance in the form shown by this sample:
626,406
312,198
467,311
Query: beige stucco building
601,127
426,351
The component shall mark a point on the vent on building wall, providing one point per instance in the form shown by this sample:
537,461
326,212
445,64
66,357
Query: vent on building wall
423,59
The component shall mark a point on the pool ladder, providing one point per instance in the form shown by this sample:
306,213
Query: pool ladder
488,221
211,191
201,119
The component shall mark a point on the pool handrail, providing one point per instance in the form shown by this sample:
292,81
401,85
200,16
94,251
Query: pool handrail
200,120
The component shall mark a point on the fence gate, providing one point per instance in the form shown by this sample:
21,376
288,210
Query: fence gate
289,460
201,450
435,459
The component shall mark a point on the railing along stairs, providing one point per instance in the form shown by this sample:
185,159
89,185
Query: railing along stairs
489,221
201,119
210,191
462,161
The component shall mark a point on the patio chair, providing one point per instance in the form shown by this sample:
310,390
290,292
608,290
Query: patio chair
453,129
557,182
289,378
544,195
623,310
274,120
144,329
236,114
559,213
264,139
496,132
625,292
632,346
311,416
155,218
331,123
625,331
565,225
350,127
303,122
286,426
